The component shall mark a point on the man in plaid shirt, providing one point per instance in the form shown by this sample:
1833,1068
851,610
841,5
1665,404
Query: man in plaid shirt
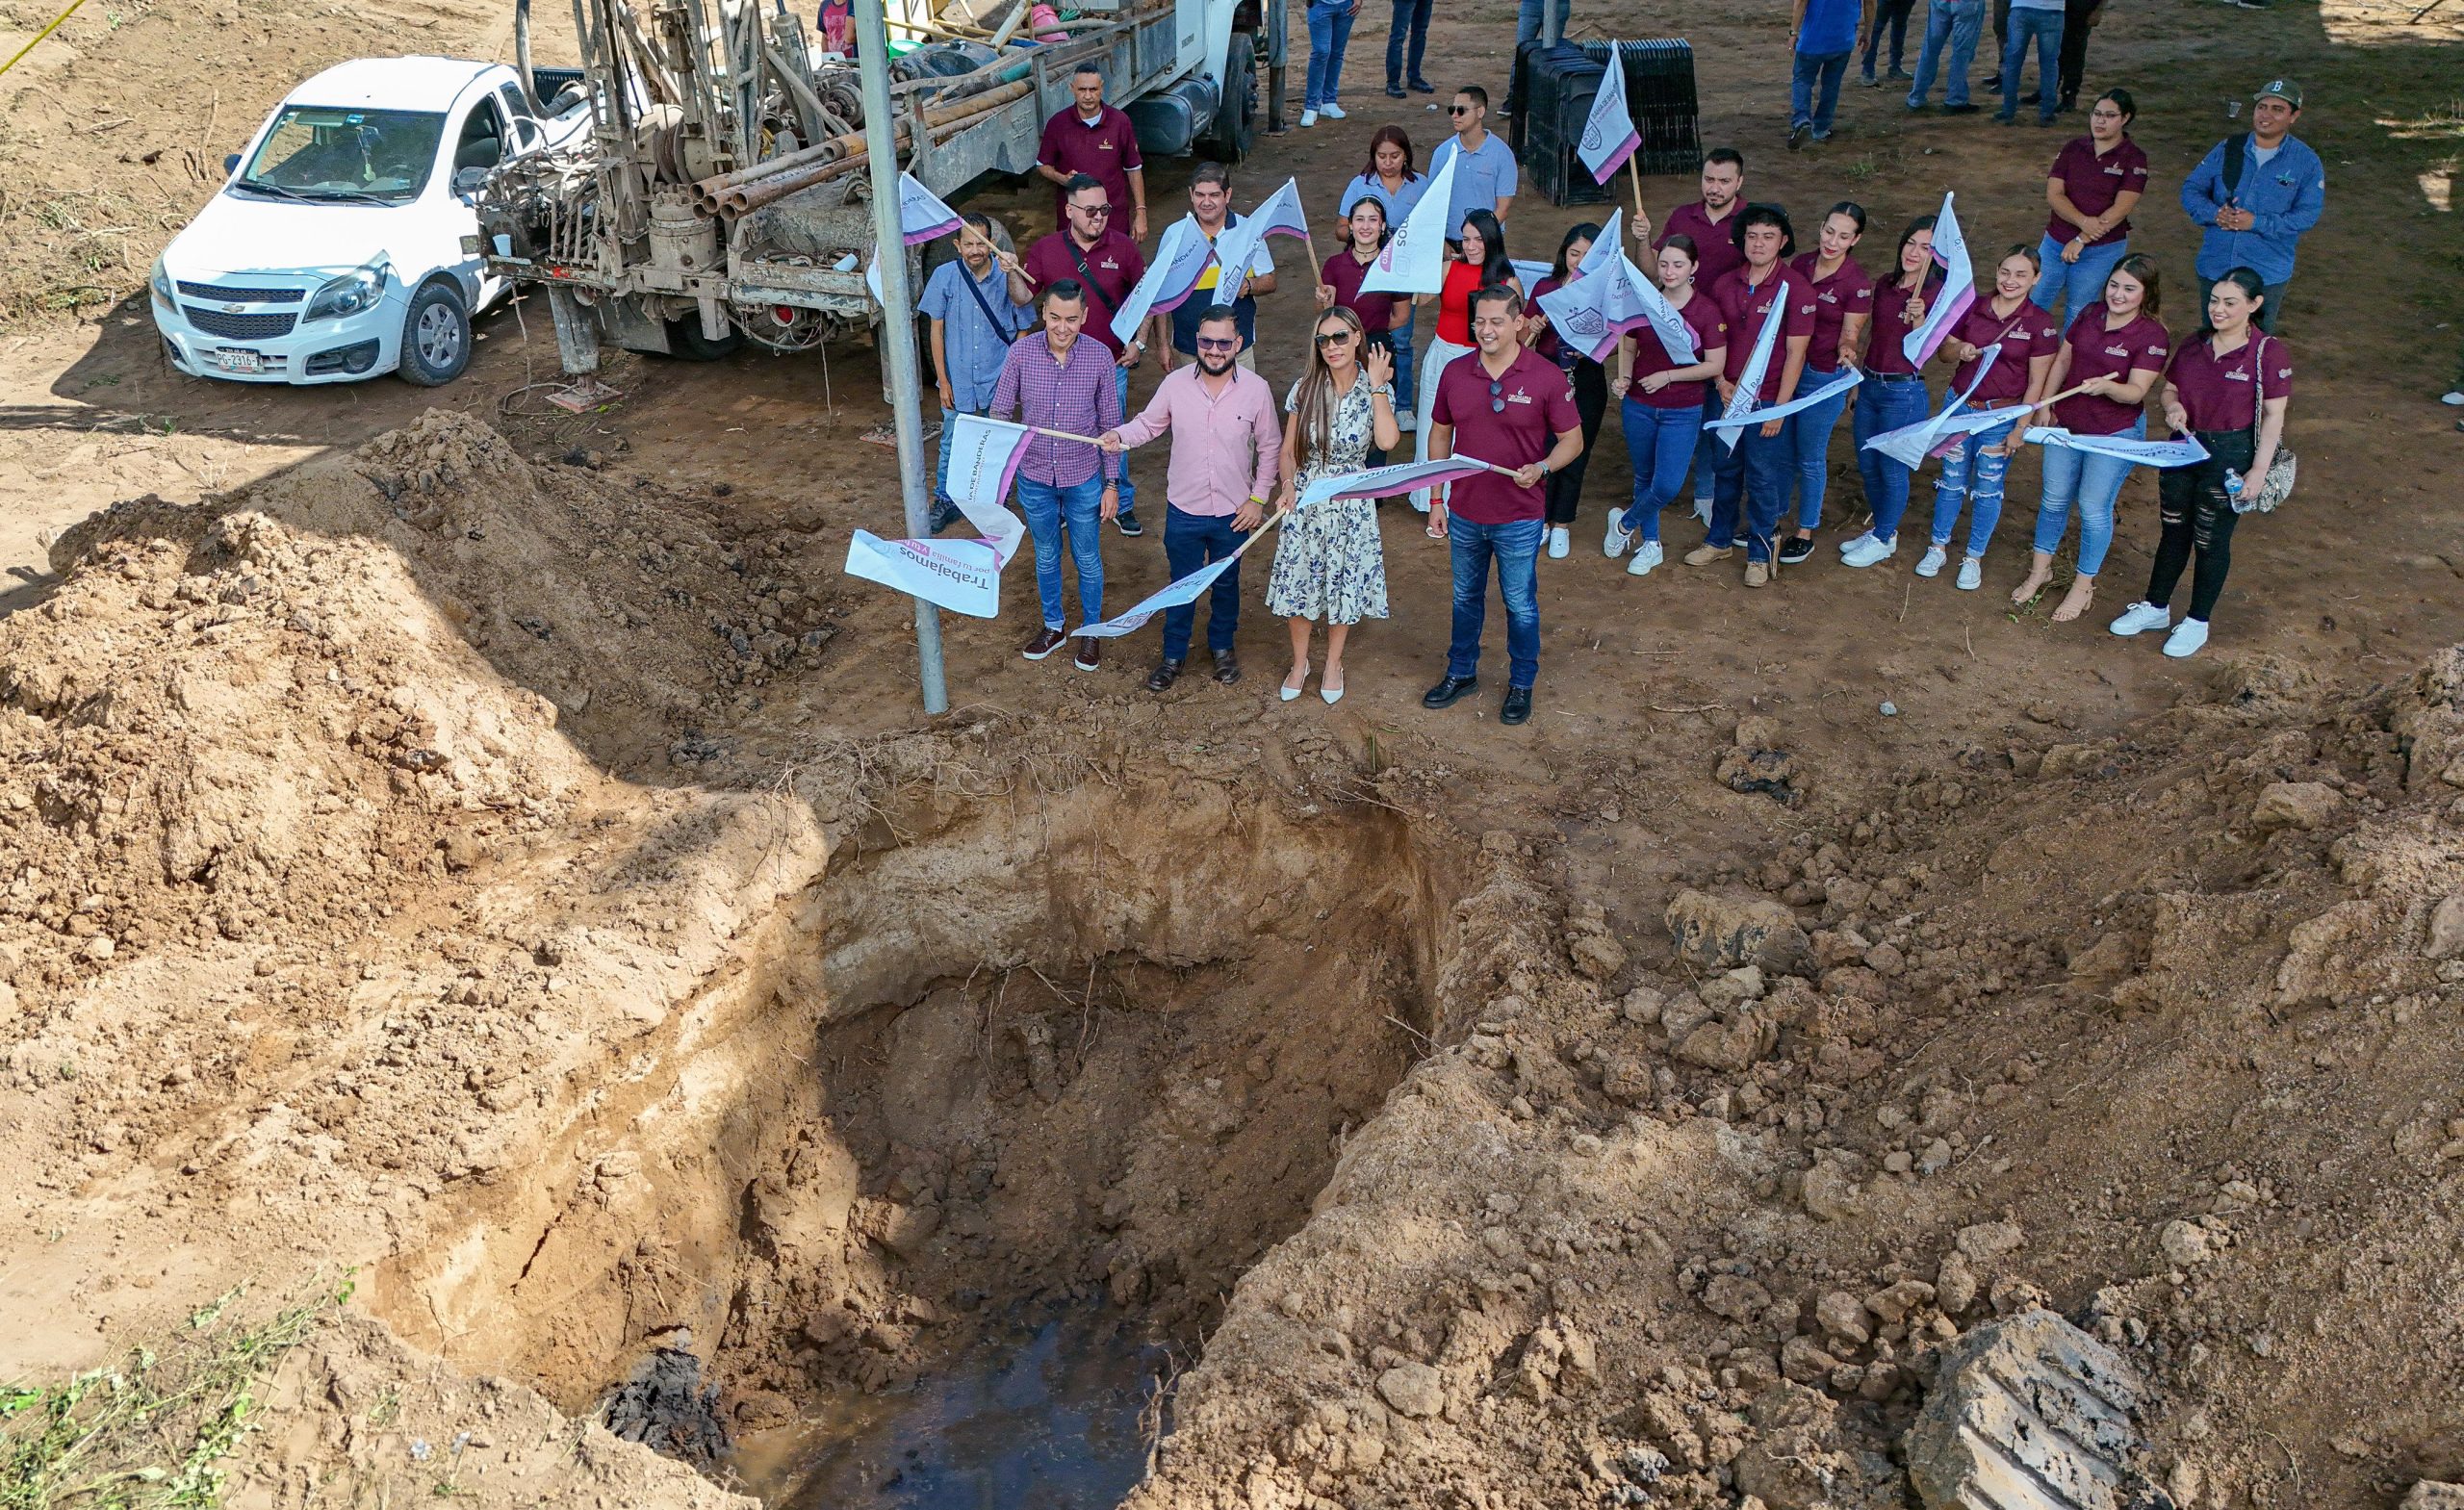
1061,383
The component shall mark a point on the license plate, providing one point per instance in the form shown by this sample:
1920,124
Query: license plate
233,361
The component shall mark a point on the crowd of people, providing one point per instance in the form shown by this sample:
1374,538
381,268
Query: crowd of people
2071,324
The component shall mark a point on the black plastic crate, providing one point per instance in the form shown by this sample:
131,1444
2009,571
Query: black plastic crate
1556,86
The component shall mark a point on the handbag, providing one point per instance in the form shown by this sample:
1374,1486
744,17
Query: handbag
2277,486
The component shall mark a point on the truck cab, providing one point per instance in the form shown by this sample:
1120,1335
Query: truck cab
345,243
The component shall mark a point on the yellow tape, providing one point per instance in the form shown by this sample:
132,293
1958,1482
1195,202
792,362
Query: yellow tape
39,35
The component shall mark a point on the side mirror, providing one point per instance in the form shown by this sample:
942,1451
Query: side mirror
230,164
469,180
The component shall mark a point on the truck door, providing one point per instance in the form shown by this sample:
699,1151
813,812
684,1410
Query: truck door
484,139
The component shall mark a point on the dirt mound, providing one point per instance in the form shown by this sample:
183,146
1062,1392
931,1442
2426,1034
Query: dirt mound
2158,1030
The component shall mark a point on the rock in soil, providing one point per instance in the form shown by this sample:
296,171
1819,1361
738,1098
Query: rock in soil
2031,1412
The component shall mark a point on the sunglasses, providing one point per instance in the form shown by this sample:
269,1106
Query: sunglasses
1497,399
1332,338
1092,209
1211,343
1458,109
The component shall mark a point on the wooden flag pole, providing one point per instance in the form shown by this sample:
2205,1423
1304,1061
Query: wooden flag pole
1635,171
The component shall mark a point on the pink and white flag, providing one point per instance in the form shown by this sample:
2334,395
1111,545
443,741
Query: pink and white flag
1181,256
1910,445
961,575
983,460
921,213
1959,288
1748,383
1171,595
1404,477
1609,134
1237,246
1414,258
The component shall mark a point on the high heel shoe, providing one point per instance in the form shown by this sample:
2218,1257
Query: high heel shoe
1332,695
1289,693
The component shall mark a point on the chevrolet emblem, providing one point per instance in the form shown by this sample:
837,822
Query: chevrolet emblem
235,309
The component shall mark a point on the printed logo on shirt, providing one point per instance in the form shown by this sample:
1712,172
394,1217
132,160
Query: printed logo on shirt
1109,265
2233,374
1518,397
2119,351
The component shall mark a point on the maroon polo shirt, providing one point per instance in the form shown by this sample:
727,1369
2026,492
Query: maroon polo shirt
1715,249
1536,406
1344,272
1105,151
2093,183
2217,392
1116,266
1747,305
2026,333
1847,291
1887,347
1703,317
2099,352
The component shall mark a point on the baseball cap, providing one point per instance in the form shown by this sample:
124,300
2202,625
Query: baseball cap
2284,89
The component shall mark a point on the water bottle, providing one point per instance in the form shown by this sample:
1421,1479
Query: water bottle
2233,487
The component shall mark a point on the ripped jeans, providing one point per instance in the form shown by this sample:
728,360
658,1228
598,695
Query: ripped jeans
2198,520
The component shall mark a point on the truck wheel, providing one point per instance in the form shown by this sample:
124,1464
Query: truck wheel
436,336
1236,118
684,340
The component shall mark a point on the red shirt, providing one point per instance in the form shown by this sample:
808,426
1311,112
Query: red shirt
1536,407
2026,333
1344,271
1847,291
1715,249
1746,305
1455,303
2099,352
1886,345
2222,393
1703,317
2093,183
1106,150
1115,266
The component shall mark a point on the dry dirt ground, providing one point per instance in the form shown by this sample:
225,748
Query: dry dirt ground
527,882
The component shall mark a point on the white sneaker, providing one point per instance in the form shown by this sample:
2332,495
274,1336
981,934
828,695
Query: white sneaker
1331,110
1560,541
1932,565
1407,422
2186,639
2453,399
1870,551
1856,543
1618,537
1308,118
1971,574
2140,617
1646,556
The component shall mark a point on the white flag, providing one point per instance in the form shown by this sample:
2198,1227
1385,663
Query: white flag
1173,596
1959,288
1180,256
1609,134
1910,445
1781,411
983,459
1414,258
2183,451
921,213
958,575
1749,384
1238,245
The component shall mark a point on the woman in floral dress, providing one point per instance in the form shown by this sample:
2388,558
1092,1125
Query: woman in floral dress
1327,563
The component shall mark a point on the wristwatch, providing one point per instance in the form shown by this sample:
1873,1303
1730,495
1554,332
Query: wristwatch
1382,389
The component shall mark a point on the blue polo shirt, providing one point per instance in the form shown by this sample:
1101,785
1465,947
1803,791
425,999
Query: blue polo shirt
976,346
1482,179
1830,27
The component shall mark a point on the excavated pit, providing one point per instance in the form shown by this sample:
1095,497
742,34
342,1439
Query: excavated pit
985,1131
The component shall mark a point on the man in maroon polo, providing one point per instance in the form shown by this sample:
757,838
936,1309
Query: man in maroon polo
1712,221
1097,140
1090,251
1512,409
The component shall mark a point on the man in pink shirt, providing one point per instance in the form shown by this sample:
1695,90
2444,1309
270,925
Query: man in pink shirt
1225,450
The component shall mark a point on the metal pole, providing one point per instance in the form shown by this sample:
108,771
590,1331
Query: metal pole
1551,23
896,339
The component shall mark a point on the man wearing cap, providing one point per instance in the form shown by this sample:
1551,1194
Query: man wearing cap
2256,193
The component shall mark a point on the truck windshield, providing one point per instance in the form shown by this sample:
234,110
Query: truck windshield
319,152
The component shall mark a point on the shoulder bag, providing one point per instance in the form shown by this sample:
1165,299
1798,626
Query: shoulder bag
2262,495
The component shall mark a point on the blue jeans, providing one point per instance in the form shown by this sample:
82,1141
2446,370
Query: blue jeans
1411,14
2075,287
1956,25
2094,482
1192,541
1754,479
1824,72
1660,443
1048,510
1708,451
2044,29
1401,335
1810,429
1516,549
1329,34
1890,15
1971,475
1128,489
1883,407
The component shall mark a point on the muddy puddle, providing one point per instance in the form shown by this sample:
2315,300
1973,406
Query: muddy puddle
1048,1411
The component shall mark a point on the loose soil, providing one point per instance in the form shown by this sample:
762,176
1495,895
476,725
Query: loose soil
498,854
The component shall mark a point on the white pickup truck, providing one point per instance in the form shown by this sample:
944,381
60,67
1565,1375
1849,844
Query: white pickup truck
345,243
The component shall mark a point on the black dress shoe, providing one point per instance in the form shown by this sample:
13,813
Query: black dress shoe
1960,110
2032,97
1451,691
1394,92
1227,667
1423,86
1517,706
1993,84
1165,674
1795,548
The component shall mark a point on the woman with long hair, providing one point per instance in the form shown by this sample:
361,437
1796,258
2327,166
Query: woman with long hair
1390,179
1584,379
1972,469
1843,302
1339,286
1327,561
1663,403
2113,354
1892,397
2095,183
1479,261
2229,386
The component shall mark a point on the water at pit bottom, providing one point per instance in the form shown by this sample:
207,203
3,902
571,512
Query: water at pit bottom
1041,1414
